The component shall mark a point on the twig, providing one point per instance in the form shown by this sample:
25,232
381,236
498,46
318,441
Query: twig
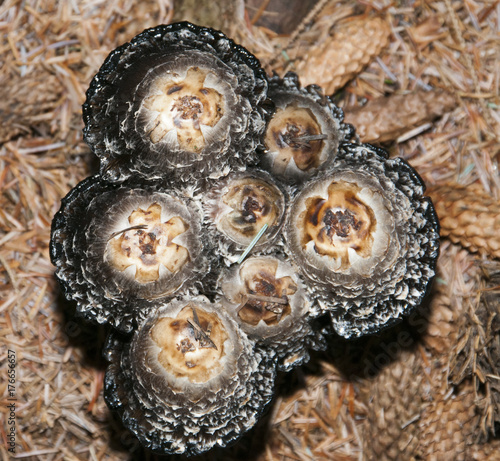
140,226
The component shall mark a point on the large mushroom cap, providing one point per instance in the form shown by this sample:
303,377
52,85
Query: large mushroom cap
118,248
189,379
177,99
366,238
342,227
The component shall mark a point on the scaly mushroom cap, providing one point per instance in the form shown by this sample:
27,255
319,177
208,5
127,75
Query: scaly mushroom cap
303,135
178,100
118,248
267,298
366,238
237,207
188,380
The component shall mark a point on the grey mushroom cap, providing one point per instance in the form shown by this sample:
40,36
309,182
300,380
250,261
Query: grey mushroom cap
266,296
119,248
177,100
188,380
304,132
238,206
366,239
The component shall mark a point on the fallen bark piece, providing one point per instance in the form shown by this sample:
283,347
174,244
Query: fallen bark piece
387,118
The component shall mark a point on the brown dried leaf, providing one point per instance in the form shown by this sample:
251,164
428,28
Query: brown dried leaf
385,119
222,15
280,16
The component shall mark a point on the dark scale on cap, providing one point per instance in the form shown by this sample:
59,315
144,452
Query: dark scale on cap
340,223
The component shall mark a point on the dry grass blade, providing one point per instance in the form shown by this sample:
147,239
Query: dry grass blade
22,104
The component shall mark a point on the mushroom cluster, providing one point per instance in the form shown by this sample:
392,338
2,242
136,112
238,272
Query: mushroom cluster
234,223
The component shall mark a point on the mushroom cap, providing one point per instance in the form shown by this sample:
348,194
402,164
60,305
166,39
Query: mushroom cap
303,134
268,299
181,100
189,379
238,206
118,248
365,238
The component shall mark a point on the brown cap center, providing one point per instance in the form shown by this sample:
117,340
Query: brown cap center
339,223
265,296
294,133
192,343
182,107
147,245
253,203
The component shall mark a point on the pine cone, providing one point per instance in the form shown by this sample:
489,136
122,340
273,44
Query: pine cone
442,322
395,401
468,216
384,119
448,426
414,416
345,54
